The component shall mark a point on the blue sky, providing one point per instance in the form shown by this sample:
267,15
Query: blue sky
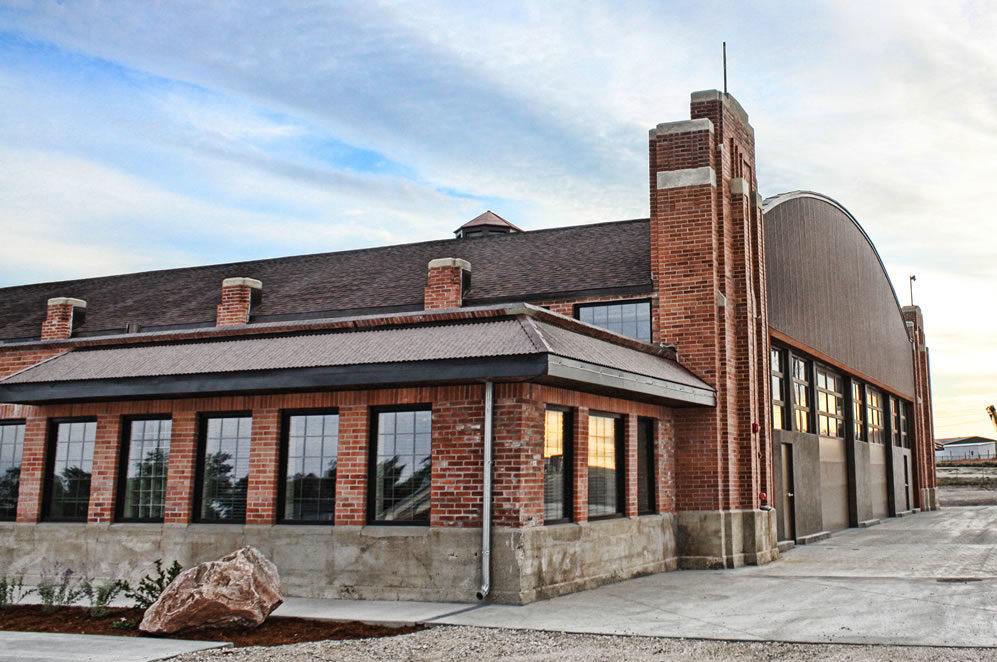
141,135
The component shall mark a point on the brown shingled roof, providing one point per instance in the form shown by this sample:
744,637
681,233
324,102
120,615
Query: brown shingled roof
518,266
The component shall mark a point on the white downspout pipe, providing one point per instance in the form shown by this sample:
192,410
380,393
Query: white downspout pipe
486,499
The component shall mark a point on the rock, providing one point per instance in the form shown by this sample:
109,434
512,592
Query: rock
240,589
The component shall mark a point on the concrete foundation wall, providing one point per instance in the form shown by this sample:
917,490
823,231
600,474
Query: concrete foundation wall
726,538
363,562
540,562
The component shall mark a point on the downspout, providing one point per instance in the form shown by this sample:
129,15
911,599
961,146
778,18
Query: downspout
486,499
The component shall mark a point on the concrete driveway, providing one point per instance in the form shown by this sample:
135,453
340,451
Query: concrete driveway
928,580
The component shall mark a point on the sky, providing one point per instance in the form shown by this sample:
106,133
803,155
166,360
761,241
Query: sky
144,135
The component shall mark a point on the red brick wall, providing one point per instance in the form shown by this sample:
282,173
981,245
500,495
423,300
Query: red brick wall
234,307
264,455
923,424
443,287
29,496
351,466
103,478
458,457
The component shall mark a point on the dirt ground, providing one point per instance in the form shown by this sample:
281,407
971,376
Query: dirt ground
274,631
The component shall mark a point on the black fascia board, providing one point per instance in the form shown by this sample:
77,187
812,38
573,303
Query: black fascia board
287,379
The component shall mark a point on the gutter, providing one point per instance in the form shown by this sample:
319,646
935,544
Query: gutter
486,498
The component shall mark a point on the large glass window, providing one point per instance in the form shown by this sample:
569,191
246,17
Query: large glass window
857,426
224,468
894,421
70,462
801,395
778,389
557,466
830,404
631,318
874,415
310,451
400,466
646,493
904,418
146,459
11,446
605,466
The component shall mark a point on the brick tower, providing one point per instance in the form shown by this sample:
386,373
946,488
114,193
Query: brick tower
707,261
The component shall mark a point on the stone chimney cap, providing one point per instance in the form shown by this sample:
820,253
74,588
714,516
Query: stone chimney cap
450,262
243,282
75,303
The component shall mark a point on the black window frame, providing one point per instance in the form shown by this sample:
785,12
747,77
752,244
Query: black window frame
652,465
807,384
13,422
857,395
372,464
875,432
894,418
568,452
51,439
829,392
778,400
202,442
906,418
284,451
123,460
578,307
620,469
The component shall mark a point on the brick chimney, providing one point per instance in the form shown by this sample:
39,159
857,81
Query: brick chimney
238,296
63,314
445,283
707,257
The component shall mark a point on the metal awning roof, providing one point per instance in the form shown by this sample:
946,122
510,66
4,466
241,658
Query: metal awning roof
518,347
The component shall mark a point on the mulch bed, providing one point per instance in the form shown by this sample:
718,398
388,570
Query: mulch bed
273,632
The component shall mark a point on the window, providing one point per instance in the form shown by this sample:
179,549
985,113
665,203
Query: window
11,446
894,421
904,417
778,390
801,394
830,404
557,466
605,466
632,318
143,475
400,463
224,468
70,461
874,415
646,492
309,451
857,409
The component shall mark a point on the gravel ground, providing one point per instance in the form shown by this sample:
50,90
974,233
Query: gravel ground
466,644
959,495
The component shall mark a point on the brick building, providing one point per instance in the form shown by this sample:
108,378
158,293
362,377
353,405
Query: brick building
599,396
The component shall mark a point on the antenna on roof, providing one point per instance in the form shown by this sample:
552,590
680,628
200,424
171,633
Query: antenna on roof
912,279
725,68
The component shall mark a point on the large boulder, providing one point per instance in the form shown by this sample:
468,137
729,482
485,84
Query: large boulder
240,589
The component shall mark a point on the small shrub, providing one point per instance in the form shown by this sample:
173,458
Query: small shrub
124,624
151,586
59,587
12,590
101,595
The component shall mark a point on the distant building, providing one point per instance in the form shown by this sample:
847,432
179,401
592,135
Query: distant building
965,448
514,414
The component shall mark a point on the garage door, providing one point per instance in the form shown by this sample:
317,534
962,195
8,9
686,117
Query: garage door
833,484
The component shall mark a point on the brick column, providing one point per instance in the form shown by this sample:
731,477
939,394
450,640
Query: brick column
664,454
238,295
180,473
264,456
445,283
62,313
581,472
29,496
629,465
517,457
104,476
351,466
458,458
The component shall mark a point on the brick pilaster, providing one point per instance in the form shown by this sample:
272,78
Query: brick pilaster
581,472
664,453
351,466
29,496
629,465
180,473
458,459
104,476
261,491
517,456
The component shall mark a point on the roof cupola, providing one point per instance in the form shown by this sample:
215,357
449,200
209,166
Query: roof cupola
485,225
